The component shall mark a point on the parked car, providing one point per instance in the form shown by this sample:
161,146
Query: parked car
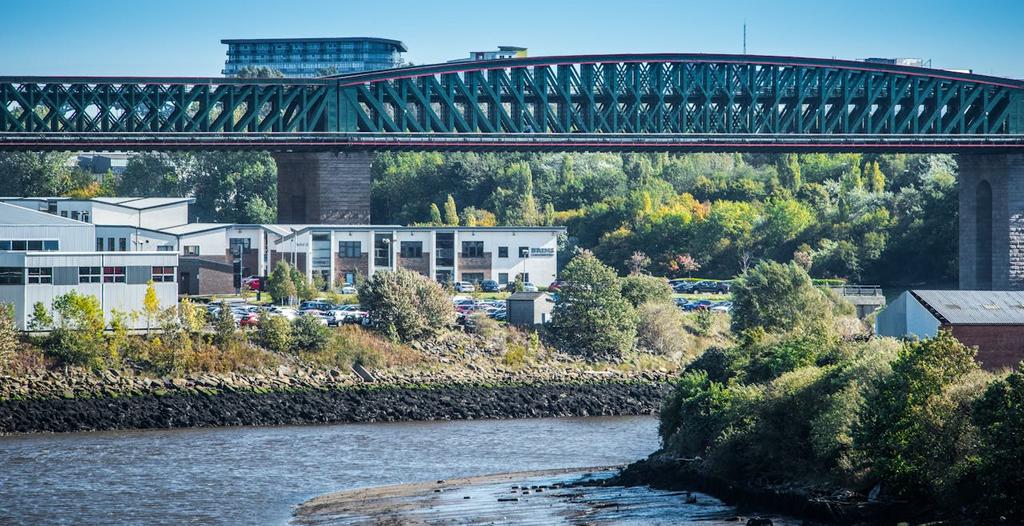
464,286
722,306
251,282
714,287
287,313
323,317
322,306
683,287
347,314
489,285
530,287
349,289
250,319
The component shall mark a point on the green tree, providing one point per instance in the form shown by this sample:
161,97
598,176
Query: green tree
642,288
1000,419
40,320
877,178
77,338
591,317
779,297
405,305
259,72
435,215
224,328
280,284
39,174
909,433
789,172
451,214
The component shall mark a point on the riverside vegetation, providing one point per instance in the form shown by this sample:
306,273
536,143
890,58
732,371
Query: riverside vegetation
410,344
798,404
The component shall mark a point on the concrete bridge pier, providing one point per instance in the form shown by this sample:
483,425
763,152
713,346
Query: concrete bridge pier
323,187
991,221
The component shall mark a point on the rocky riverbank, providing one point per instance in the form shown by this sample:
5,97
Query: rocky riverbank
814,501
367,403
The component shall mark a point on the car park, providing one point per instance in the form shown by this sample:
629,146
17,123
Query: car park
683,287
287,313
251,283
464,286
530,287
250,319
347,314
322,306
489,285
349,289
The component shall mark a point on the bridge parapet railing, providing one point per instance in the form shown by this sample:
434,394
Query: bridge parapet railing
858,290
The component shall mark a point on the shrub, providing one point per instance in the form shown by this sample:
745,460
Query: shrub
274,333
642,288
405,305
779,298
77,338
660,330
224,329
909,433
704,321
999,415
8,332
591,318
310,334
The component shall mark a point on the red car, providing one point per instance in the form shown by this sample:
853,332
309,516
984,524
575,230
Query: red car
555,285
251,319
252,282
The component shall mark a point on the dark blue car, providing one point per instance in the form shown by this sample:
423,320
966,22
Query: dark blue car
489,285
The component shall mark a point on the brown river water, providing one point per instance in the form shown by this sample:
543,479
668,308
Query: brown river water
251,475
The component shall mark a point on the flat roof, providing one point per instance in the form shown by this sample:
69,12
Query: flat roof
134,203
974,307
14,215
397,43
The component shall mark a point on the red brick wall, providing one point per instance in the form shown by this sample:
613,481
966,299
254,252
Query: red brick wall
999,346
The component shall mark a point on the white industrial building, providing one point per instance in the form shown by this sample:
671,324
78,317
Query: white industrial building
43,255
214,257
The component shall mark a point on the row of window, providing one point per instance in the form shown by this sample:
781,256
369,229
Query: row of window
76,215
414,249
119,244
44,275
20,245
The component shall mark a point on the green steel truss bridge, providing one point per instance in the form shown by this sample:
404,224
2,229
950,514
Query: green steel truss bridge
665,102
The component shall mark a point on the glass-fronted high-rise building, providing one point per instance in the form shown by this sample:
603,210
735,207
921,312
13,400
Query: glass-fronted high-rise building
311,57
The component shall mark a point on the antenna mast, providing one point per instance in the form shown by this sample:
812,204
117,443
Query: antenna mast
744,37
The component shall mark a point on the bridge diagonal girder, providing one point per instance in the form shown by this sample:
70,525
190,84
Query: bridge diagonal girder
658,94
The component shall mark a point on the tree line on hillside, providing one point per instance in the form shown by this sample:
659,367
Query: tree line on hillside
876,218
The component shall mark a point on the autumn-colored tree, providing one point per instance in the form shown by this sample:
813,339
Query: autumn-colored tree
684,263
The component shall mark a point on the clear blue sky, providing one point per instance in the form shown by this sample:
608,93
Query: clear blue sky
182,37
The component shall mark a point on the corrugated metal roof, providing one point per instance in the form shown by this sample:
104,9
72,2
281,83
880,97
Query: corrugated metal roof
975,307
18,215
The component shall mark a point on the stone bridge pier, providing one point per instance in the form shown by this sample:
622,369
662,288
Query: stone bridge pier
323,187
991,221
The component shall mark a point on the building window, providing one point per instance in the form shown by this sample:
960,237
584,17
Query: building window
525,276
502,252
472,249
75,215
85,217
444,248
321,251
110,244
412,249
99,244
165,248
382,250
239,244
122,244
349,278
63,213
191,250
12,276
524,252
503,278
113,274
40,275
88,274
21,245
350,249
163,274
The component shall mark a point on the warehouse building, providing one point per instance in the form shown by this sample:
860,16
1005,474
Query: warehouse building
993,321
43,256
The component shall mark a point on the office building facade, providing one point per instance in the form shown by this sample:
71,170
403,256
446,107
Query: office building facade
311,57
